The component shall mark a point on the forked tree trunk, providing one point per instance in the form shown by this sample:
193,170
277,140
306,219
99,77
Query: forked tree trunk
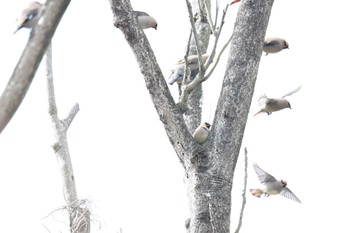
209,168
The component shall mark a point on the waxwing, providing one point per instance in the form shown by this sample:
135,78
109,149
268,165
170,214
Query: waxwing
29,16
270,105
145,20
192,65
201,134
272,186
275,45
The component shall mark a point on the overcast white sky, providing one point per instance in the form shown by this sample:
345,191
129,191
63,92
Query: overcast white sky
122,158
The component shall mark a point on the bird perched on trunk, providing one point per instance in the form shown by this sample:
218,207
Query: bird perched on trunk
275,45
272,186
145,20
201,134
29,16
192,65
270,105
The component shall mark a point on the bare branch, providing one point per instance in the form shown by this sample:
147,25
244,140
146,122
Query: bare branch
195,36
28,64
168,111
218,58
188,88
244,199
216,12
210,21
79,215
73,112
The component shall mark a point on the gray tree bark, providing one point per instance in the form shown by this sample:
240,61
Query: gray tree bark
79,214
193,115
25,70
209,168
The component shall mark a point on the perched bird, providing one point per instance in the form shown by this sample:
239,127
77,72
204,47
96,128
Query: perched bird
272,186
235,1
192,65
201,134
275,45
270,105
145,20
29,16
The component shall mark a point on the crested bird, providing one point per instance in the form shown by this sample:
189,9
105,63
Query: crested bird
274,45
272,186
192,65
29,16
145,20
270,105
201,134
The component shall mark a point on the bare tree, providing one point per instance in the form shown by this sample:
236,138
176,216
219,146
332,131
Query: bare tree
209,168
79,213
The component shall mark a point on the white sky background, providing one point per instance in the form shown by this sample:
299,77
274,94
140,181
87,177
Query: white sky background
122,158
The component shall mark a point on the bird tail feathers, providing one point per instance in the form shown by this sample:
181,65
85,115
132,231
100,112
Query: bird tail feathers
257,192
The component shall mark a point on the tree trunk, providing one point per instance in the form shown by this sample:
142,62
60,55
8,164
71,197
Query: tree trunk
209,167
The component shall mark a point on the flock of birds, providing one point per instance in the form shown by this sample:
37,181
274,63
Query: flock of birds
31,14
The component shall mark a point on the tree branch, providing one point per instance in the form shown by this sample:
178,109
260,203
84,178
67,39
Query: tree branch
244,199
79,215
168,112
239,80
26,67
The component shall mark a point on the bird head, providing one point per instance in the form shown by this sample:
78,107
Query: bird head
207,125
155,26
285,45
284,183
289,106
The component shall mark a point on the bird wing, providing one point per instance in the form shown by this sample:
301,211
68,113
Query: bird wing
140,13
292,92
289,194
176,75
263,100
271,43
263,176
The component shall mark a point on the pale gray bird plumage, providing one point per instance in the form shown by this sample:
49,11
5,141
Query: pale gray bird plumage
270,105
29,16
201,134
272,186
177,73
274,45
145,20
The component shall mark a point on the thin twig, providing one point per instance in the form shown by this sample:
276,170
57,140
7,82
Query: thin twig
195,36
218,58
200,77
185,77
73,112
216,12
244,190
210,21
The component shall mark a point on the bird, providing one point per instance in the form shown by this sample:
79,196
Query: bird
274,45
145,20
29,16
270,105
272,186
201,134
177,73
235,1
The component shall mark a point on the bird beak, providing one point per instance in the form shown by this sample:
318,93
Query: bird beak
20,25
